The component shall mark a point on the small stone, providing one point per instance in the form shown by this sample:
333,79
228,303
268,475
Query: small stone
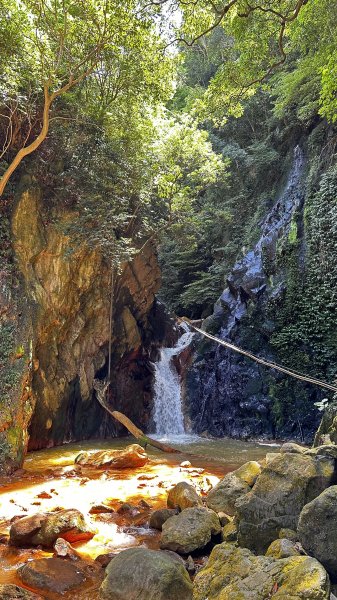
289,534
183,495
224,519
104,559
185,464
100,508
44,495
63,549
190,566
230,532
282,548
159,517
144,504
125,508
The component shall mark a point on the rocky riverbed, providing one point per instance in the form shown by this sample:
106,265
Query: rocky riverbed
121,525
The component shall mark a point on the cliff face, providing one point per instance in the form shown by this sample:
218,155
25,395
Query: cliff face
278,304
65,323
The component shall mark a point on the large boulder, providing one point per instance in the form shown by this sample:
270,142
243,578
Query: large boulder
52,574
317,528
130,457
142,574
9,591
191,530
234,485
183,495
44,529
234,573
286,484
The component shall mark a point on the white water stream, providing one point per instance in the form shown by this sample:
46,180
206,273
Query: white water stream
168,414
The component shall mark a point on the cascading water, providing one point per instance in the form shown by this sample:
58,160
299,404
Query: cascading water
168,414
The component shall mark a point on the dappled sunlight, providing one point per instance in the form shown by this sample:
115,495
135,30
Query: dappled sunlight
52,481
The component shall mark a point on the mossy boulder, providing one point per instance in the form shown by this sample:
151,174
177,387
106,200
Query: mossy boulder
191,530
286,484
142,574
317,528
234,573
183,495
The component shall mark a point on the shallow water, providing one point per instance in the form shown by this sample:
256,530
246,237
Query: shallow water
69,486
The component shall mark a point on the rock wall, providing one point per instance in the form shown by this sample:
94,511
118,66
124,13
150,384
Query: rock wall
64,328
272,307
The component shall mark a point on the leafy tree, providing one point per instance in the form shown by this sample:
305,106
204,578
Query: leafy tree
60,45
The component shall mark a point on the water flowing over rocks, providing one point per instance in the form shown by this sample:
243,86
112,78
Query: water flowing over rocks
224,393
141,574
236,573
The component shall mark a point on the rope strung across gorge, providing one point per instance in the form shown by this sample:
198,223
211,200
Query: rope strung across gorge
262,361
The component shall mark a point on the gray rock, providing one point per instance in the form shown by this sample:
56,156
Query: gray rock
191,530
159,517
286,484
223,496
141,574
317,528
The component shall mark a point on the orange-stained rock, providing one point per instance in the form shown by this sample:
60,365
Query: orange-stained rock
44,529
130,457
52,574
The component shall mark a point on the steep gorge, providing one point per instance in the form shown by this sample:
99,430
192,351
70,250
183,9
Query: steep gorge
59,319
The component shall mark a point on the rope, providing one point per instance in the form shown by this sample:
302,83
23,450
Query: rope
264,362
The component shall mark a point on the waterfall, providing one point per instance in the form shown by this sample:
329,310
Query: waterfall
168,414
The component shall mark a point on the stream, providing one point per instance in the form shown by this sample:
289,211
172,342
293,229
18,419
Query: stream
53,474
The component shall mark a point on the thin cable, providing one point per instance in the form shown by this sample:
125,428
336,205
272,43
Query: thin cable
264,362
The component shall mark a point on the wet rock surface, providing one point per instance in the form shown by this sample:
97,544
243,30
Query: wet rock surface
235,573
52,574
141,574
191,530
